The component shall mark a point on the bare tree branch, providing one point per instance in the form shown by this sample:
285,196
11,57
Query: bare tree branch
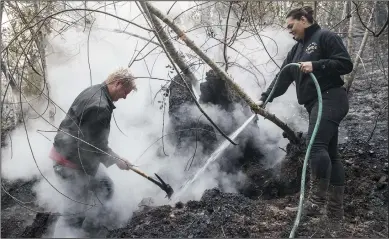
368,27
350,77
69,10
225,38
168,11
87,51
375,123
170,50
135,35
251,20
235,34
1,59
255,108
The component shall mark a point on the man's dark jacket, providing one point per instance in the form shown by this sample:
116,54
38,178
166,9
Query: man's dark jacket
89,119
329,58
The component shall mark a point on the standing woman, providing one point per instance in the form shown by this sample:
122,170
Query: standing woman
323,53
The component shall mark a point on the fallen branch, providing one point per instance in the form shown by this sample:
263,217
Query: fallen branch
172,53
254,107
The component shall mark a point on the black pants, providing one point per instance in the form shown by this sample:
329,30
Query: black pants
84,191
325,162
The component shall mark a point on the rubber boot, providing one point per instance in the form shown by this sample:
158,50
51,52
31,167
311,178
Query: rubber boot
315,204
335,210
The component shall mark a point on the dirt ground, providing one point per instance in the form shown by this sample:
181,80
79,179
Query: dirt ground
365,155
220,214
364,150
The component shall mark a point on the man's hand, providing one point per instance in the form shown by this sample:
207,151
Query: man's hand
259,103
306,67
123,164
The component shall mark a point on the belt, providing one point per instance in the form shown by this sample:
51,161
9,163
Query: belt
54,155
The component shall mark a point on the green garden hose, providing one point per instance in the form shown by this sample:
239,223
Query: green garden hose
319,98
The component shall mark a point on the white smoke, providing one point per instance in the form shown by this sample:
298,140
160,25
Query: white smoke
140,121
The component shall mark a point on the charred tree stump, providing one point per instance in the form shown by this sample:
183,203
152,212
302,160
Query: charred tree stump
282,179
187,129
217,92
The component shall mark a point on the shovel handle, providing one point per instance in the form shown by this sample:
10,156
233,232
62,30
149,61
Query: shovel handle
146,176
165,187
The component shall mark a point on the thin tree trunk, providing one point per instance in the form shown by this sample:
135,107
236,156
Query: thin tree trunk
349,40
1,67
330,13
12,98
315,10
38,40
225,39
1,43
7,76
4,70
255,108
350,77
344,14
350,32
40,44
2,63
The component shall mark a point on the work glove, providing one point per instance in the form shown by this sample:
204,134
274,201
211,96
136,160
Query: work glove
260,103
257,103
123,164
262,100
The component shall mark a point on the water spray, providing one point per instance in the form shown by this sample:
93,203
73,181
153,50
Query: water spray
215,155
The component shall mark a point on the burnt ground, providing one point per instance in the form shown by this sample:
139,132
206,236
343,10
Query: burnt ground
365,155
253,214
15,218
220,214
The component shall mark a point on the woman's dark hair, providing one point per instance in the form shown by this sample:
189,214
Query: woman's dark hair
305,11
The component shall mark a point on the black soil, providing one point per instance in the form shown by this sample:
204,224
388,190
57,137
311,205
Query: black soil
40,226
14,217
265,210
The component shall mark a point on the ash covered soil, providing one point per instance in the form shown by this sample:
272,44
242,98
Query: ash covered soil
220,214
363,148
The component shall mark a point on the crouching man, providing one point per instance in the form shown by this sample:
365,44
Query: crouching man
76,162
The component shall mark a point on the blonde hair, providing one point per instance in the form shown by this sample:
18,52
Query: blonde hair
124,76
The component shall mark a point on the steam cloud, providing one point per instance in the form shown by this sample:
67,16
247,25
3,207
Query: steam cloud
137,117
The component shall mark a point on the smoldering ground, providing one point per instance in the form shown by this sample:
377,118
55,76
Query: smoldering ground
138,120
